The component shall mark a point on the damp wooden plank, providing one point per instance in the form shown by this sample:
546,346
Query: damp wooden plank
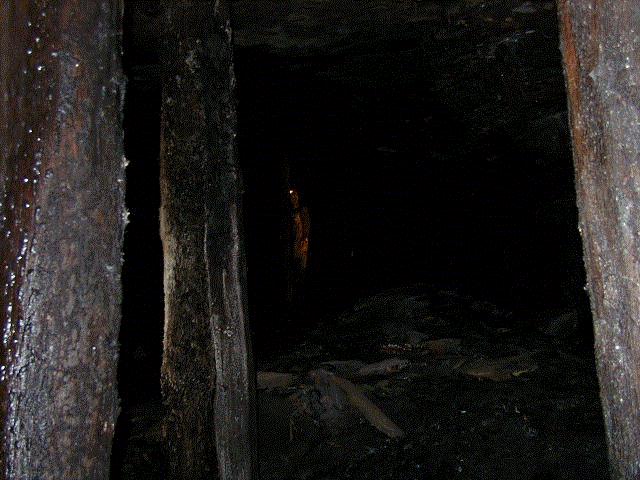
601,49
236,439
207,369
61,232
188,371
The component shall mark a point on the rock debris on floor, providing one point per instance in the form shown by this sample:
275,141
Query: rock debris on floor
410,385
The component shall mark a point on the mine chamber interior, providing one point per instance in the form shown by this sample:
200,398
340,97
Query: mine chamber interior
429,142
423,150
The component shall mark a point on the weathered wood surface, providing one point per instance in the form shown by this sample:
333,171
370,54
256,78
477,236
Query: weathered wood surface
601,48
61,231
235,424
328,382
188,372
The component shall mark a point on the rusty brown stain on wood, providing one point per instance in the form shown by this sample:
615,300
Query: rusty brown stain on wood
572,67
61,147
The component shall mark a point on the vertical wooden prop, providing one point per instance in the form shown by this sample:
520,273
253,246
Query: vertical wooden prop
200,186
62,223
188,371
234,400
601,47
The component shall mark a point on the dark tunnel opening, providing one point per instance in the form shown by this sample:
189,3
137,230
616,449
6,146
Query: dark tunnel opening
427,145
416,167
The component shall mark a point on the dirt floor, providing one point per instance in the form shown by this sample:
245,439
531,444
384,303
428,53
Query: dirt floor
475,392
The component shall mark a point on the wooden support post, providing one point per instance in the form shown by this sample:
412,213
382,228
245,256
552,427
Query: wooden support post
601,47
200,186
234,401
61,231
188,371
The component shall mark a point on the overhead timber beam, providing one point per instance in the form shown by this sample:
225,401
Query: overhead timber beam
61,229
601,47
